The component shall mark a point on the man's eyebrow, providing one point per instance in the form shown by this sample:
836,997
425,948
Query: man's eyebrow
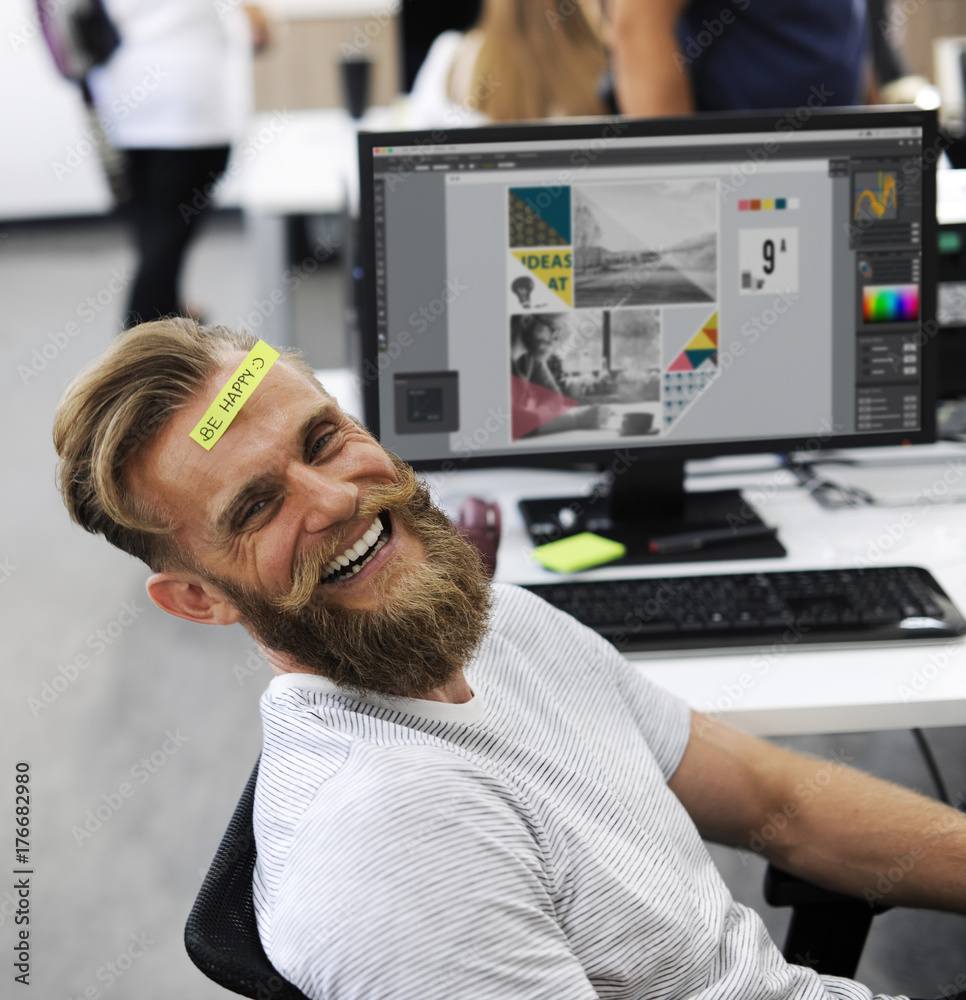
221,524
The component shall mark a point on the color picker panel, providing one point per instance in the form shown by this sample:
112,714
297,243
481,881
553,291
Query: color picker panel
890,303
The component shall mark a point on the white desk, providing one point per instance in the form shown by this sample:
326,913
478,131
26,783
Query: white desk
302,163
797,690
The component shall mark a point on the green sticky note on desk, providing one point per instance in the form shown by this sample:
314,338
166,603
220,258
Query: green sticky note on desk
578,552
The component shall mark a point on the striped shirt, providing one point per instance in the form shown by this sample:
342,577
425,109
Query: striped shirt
521,845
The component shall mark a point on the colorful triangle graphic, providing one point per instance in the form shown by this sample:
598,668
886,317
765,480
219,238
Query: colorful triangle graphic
549,204
540,216
698,358
694,369
710,328
702,342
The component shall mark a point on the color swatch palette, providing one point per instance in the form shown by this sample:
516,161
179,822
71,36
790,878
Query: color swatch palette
767,204
890,303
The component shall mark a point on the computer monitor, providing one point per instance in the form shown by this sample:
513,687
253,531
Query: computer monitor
629,295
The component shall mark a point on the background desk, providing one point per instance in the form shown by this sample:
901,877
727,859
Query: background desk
784,691
305,163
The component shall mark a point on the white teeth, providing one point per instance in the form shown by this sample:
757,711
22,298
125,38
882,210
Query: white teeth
367,546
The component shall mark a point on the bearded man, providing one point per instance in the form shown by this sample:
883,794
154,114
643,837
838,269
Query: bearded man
462,792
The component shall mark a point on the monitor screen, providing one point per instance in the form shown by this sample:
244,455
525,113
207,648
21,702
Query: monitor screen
665,289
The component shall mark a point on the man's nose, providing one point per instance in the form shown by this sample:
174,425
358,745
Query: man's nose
322,500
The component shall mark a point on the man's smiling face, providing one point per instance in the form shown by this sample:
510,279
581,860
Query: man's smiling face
317,539
285,481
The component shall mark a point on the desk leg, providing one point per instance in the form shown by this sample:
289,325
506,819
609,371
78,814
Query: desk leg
271,315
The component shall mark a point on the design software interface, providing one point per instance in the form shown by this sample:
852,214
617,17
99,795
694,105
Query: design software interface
570,295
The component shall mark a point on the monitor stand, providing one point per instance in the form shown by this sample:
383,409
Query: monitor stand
648,501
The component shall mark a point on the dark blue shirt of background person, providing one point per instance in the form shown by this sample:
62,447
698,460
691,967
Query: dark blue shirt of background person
746,54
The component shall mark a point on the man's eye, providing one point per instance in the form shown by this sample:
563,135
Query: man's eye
319,446
251,511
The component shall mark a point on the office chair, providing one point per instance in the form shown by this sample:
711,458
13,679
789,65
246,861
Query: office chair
221,935
827,931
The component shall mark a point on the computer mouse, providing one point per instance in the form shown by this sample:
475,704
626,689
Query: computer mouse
479,523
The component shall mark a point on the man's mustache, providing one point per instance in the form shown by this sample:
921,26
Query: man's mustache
389,498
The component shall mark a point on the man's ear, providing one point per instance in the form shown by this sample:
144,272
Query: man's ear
188,596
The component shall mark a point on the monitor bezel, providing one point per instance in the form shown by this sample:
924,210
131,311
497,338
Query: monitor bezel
711,123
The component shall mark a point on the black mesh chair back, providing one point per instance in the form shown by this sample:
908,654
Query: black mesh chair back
221,934
827,931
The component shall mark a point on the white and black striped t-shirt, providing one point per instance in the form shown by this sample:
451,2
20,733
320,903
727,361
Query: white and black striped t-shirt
522,845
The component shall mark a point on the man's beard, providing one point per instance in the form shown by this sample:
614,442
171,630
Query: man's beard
431,619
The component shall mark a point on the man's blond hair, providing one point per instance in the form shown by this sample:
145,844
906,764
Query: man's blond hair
119,403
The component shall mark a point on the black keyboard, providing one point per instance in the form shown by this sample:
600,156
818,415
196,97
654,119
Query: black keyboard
881,604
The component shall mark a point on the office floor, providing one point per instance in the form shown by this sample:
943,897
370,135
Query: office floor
140,729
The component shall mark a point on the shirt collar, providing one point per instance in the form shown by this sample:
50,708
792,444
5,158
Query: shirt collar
437,711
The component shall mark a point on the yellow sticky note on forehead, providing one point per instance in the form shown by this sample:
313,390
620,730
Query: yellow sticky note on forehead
234,395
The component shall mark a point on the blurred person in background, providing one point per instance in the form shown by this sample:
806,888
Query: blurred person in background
677,56
524,59
170,102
